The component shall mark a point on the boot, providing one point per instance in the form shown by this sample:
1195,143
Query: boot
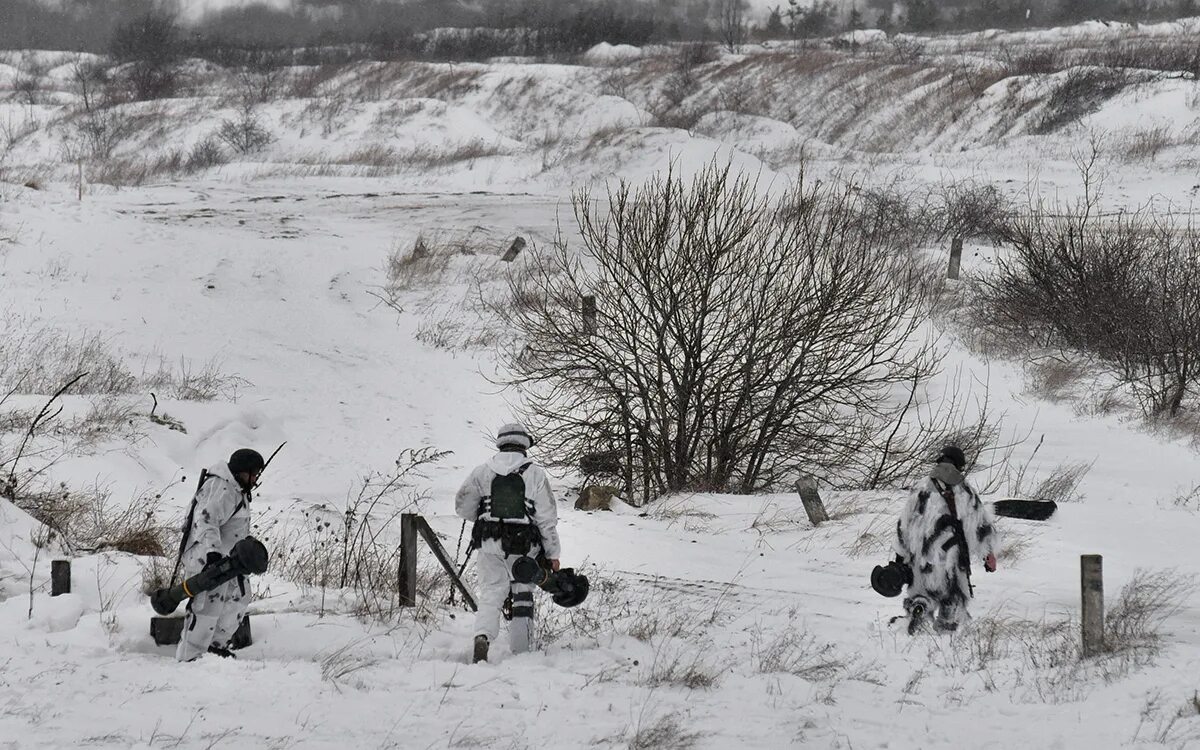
221,651
481,649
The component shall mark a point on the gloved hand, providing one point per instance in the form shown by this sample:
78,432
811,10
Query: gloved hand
989,562
212,559
555,565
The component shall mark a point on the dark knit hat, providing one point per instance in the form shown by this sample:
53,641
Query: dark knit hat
953,454
245,460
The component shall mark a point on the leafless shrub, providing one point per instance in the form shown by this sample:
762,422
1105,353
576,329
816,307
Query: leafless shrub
357,549
1053,377
802,275
37,359
156,573
907,50
1134,621
87,521
1036,61
28,89
1061,484
103,130
205,154
90,76
1124,290
666,732
245,135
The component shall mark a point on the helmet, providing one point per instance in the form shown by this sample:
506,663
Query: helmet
515,434
246,460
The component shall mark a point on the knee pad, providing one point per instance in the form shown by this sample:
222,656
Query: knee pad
522,604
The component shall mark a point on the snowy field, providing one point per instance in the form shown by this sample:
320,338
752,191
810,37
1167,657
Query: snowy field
715,621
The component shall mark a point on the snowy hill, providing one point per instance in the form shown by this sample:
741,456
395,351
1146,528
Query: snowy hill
715,621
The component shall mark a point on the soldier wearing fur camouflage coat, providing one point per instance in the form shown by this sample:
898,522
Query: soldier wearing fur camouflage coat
944,528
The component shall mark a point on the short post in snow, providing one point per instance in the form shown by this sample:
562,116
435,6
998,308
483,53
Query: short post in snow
956,246
513,250
589,315
813,507
60,577
1092,586
408,559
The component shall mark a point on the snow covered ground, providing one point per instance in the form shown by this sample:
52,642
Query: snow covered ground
714,622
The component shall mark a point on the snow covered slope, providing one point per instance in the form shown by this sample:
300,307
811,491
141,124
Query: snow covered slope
715,621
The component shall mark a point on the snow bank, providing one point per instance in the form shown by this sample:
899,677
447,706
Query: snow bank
611,54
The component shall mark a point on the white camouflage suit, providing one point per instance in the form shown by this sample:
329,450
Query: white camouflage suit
494,567
221,519
925,539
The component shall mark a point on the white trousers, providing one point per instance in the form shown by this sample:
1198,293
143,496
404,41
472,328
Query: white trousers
212,618
495,581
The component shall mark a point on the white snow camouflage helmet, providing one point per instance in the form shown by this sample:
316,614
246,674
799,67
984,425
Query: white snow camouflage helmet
515,434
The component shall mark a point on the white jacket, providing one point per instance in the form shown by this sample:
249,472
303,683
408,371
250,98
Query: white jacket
537,489
221,518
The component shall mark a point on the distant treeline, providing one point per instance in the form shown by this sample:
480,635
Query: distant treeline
317,30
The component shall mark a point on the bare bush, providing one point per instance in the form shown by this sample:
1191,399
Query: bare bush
245,135
1061,484
205,154
1134,621
103,130
357,550
1124,290
91,77
150,48
738,341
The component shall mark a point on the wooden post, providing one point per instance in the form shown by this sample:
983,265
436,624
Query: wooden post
60,577
513,250
420,250
81,179
813,507
408,559
439,552
1091,582
589,315
955,258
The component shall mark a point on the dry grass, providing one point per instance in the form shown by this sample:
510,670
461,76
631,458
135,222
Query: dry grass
665,732
1146,144
683,664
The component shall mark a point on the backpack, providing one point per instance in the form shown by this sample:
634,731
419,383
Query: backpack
507,500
